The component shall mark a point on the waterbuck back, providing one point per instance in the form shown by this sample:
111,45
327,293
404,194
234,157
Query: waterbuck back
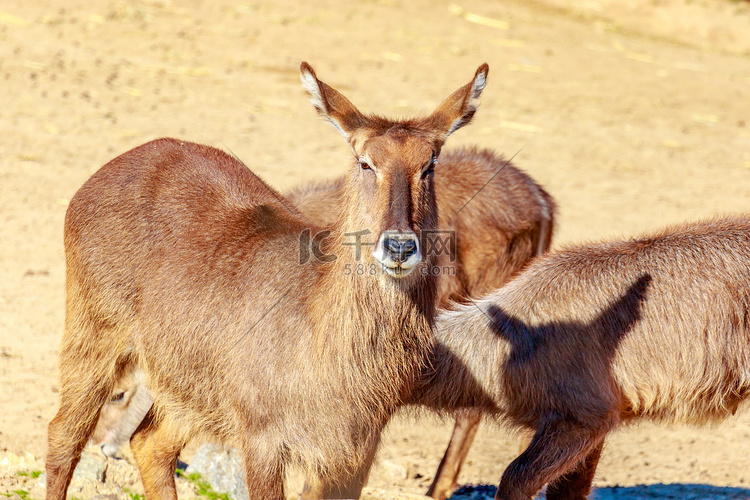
589,337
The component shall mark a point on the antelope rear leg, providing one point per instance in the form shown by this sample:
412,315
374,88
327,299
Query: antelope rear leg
576,484
446,476
156,450
556,448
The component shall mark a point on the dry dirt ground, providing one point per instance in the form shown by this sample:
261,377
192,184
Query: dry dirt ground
633,113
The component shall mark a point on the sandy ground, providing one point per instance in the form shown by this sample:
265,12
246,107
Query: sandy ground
633,113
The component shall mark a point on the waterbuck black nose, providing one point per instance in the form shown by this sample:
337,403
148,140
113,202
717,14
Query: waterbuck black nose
400,250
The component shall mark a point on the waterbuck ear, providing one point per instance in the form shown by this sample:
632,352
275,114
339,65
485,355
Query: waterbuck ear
329,102
459,108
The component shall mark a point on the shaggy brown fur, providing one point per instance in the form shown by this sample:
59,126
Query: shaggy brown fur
500,219
183,264
584,339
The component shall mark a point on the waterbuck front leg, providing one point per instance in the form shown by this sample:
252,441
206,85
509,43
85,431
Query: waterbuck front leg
264,472
558,446
350,487
576,484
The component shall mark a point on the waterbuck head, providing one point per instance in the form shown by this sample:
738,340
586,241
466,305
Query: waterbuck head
391,197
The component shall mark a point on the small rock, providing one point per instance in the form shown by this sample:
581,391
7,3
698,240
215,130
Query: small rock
90,468
222,468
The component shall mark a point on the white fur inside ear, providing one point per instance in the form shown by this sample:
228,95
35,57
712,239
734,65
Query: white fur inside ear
471,107
478,87
476,90
310,83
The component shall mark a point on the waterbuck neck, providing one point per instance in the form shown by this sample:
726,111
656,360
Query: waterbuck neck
381,325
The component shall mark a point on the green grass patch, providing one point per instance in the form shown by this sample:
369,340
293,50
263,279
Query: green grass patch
132,495
202,488
22,494
29,473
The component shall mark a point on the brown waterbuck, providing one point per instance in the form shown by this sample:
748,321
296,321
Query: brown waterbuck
593,336
493,219
183,265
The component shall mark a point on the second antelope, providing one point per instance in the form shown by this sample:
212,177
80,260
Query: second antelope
587,338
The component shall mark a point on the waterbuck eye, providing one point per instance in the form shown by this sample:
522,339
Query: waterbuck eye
364,165
430,169
117,397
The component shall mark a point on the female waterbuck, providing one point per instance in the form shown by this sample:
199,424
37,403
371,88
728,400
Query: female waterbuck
184,265
587,338
493,219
